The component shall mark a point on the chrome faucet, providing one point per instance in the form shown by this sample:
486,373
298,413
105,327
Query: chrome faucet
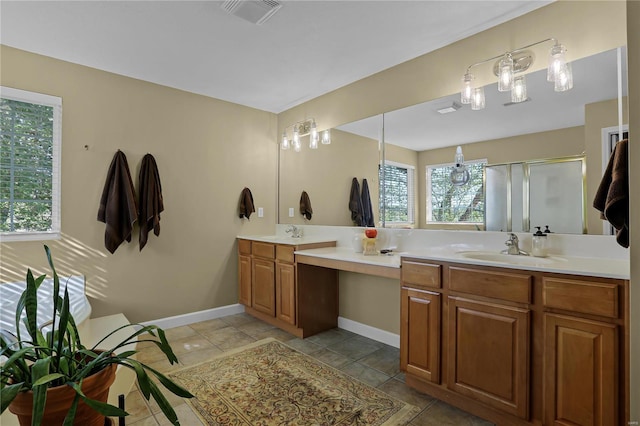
512,246
294,230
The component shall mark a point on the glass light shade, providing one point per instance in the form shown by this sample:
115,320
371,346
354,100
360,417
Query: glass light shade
557,62
564,79
285,141
459,175
296,145
477,100
313,142
314,131
296,136
326,137
519,91
466,94
505,74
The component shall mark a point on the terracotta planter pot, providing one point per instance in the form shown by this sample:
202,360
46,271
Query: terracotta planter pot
59,401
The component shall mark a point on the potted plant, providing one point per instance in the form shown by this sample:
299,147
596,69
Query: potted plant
50,373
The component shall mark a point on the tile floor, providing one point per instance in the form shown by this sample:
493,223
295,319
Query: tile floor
369,361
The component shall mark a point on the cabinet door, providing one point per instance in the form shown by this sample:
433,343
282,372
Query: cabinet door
244,280
580,372
488,354
420,334
263,292
286,292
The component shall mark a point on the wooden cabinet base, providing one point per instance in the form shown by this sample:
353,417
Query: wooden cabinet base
464,403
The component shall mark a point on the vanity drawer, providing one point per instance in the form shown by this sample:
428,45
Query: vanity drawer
244,246
493,284
587,297
265,250
284,253
421,274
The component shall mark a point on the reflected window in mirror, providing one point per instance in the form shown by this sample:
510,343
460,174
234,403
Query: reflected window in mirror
397,194
447,203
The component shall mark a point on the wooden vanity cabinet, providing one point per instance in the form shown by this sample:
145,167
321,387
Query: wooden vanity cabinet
583,354
244,272
268,286
516,347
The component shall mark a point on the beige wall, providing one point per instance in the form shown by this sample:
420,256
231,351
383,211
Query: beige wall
552,144
207,150
326,174
633,46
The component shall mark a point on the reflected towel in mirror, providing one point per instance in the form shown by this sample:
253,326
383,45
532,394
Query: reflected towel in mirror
355,203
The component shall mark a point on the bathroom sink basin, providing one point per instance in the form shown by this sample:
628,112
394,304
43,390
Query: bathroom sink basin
511,259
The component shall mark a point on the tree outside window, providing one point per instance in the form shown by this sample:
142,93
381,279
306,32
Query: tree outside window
447,203
29,147
397,193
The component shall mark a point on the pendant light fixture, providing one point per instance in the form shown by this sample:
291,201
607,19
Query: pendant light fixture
460,174
304,128
511,63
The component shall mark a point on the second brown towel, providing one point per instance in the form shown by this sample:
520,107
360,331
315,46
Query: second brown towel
305,205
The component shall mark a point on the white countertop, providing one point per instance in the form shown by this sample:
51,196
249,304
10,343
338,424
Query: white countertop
348,255
287,240
586,266
618,268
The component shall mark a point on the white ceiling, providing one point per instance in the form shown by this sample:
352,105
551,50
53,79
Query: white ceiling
306,49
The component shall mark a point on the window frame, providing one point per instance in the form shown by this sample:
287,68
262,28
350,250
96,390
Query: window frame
56,191
428,195
411,196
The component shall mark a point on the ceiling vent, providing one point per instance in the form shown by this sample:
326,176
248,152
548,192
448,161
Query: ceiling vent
508,104
254,11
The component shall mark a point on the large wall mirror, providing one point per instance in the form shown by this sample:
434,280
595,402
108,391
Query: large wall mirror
549,126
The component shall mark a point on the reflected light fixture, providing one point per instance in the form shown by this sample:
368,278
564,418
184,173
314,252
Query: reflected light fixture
460,174
304,128
514,62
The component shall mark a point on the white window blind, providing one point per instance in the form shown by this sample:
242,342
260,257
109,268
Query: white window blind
30,139
447,203
397,194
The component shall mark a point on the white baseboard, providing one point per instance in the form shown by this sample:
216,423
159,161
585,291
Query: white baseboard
377,334
193,317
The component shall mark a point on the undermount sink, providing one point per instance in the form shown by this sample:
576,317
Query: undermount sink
489,256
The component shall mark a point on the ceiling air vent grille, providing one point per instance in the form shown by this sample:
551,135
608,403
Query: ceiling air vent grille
254,11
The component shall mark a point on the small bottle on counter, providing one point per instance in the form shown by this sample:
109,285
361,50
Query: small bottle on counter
539,244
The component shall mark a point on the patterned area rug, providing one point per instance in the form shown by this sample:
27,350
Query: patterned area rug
269,383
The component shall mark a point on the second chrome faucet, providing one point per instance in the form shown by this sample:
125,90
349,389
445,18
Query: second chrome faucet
512,246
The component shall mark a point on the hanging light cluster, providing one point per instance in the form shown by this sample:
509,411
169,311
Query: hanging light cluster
301,129
514,62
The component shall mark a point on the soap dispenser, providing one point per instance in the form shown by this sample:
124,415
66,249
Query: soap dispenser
539,244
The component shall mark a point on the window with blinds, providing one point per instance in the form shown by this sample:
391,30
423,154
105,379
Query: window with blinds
447,203
397,193
29,165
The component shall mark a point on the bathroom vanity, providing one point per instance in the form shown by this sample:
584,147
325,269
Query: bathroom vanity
517,346
516,340
274,289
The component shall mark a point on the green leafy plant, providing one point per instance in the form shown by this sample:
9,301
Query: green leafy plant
58,357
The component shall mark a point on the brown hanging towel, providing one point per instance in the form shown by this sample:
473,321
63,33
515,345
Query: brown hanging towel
246,203
118,209
150,199
612,196
305,205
